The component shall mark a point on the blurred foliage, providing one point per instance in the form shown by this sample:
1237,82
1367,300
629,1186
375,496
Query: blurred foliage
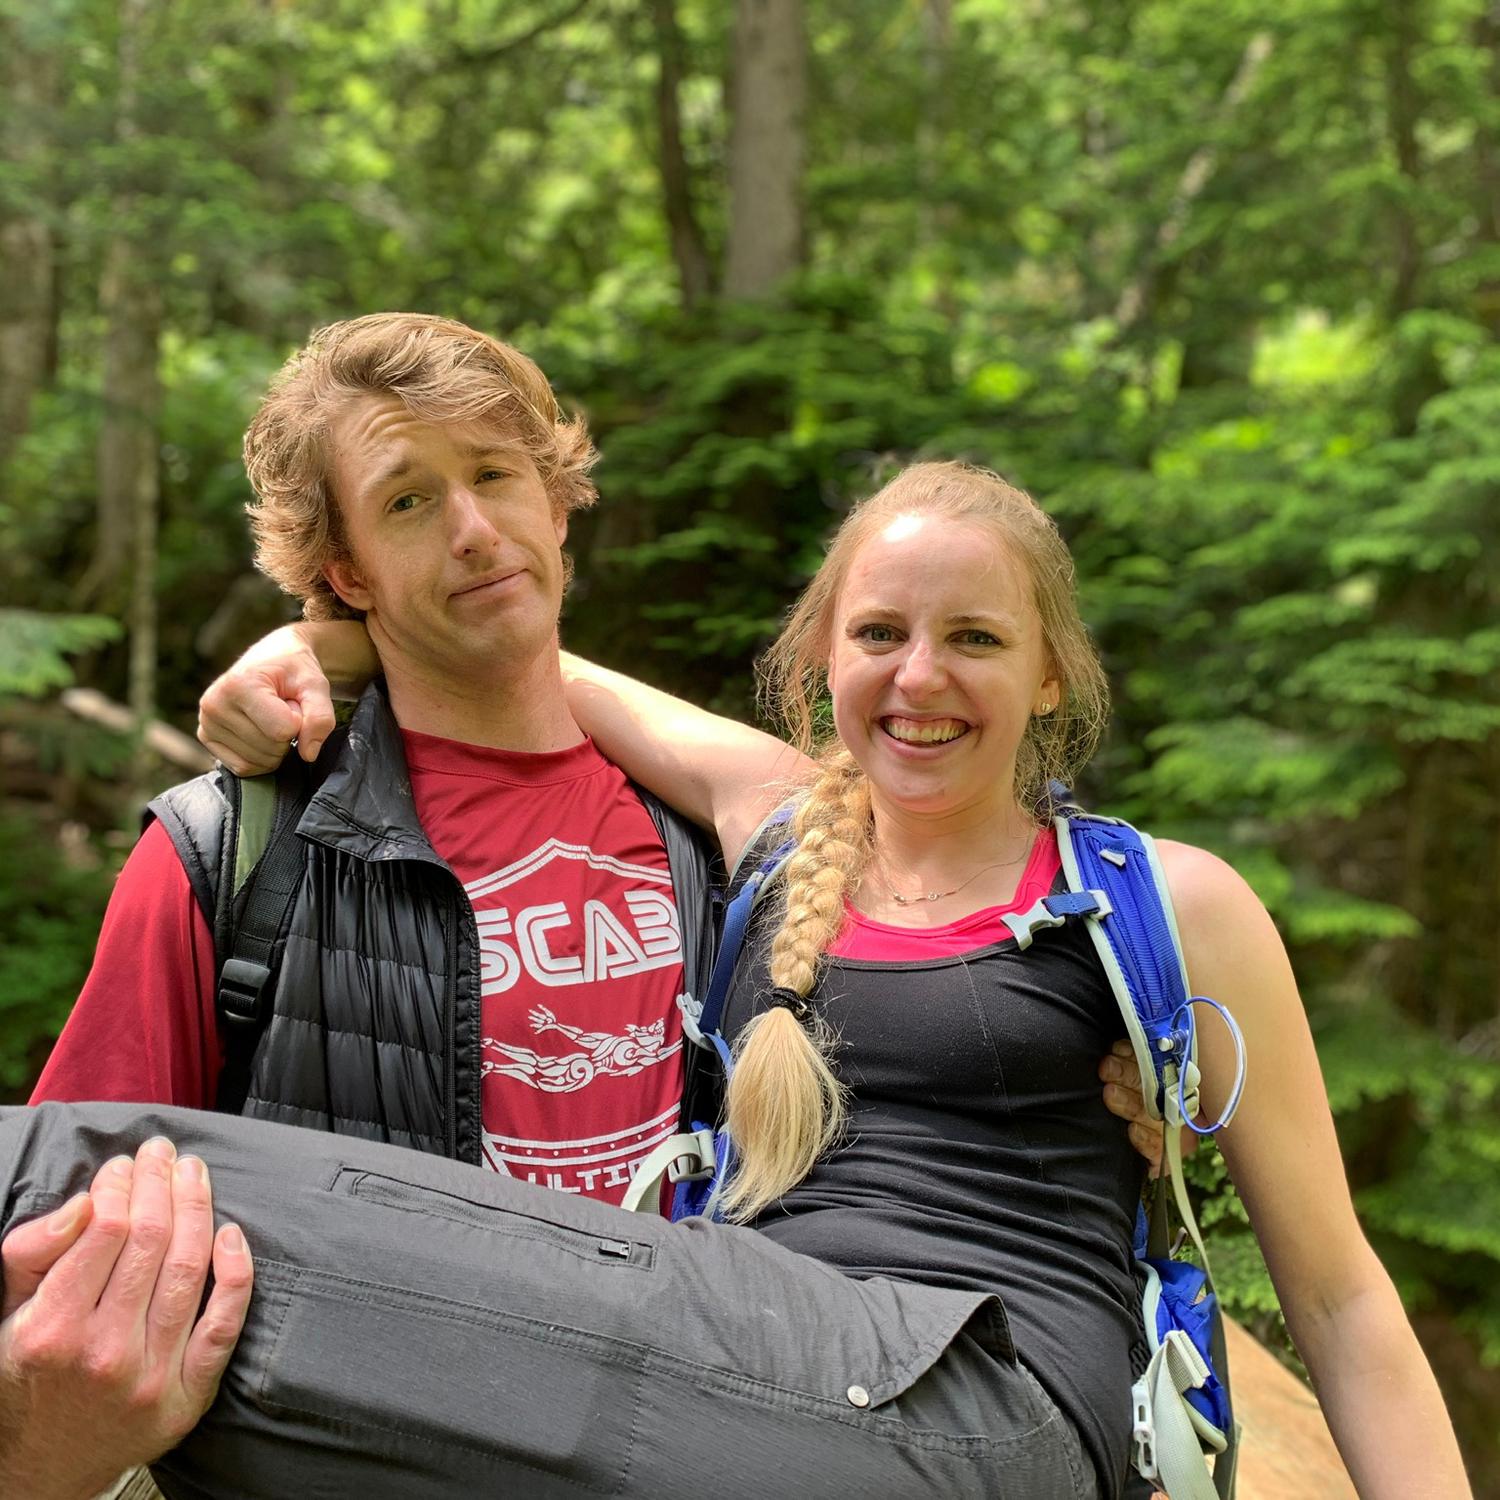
49,922
1220,283
34,648
50,906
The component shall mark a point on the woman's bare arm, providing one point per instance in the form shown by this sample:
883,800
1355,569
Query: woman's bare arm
282,689
722,774
1372,1379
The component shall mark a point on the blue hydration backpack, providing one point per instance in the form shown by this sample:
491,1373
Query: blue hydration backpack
1115,884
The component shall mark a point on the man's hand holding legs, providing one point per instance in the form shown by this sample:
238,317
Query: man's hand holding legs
105,1361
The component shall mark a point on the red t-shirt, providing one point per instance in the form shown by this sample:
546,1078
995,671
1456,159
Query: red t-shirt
581,953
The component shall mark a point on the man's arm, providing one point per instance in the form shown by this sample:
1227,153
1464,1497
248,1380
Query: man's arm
105,1360
143,1028
97,1327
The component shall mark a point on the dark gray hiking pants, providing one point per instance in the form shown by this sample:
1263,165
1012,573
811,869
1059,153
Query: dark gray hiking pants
422,1328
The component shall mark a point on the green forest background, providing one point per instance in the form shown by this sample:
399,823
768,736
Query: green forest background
1218,281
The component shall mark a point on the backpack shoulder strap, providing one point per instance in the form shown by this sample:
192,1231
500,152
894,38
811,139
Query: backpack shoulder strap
1136,940
768,850
1134,931
692,867
264,861
196,816
773,831
1135,934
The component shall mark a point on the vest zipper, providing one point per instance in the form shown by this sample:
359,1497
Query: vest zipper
476,969
458,907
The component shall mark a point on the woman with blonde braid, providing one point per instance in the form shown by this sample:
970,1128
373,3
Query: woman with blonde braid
911,1096
914,1101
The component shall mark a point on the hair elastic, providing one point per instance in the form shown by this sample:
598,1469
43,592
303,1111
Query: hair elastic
799,1005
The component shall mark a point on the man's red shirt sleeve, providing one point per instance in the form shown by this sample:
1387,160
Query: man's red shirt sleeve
143,1029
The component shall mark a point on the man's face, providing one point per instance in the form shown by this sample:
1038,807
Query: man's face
455,545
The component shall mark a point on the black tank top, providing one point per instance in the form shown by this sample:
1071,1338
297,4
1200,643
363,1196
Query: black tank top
980,1155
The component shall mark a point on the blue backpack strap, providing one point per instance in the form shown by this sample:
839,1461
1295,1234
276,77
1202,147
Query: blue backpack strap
1181,1402
697,1160
768,849
1138,944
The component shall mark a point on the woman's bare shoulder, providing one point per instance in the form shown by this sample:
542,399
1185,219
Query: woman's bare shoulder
1206,889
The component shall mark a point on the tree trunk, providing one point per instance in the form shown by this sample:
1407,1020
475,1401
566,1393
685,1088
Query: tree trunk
694,272
1492,762
1486,40
1402,110
767,146
1139,295
28,311
131,305
126,458
1419,375
1409,979
936,223
145,502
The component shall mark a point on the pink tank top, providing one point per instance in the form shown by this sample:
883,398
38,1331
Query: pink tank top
880,942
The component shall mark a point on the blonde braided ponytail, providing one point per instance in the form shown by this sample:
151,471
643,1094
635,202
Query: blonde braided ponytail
784,1106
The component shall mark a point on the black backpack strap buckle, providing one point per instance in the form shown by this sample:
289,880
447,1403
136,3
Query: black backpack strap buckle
242,992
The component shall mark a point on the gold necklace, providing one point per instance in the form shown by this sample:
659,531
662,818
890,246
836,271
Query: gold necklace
998,864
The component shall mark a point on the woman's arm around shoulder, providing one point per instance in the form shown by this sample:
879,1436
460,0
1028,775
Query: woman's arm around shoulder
722,774
282,689
1372,1379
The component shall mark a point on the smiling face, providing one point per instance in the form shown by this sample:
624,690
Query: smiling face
937,664
454,546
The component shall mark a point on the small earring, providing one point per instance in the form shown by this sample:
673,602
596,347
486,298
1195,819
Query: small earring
1046,708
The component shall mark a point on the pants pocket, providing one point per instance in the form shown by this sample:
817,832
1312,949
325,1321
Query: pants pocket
449,1391
587,1244
1080,1467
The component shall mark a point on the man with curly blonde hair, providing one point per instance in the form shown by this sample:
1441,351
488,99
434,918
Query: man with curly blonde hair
418,475
465,861
441,372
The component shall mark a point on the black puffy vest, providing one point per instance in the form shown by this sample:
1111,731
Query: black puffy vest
375,1024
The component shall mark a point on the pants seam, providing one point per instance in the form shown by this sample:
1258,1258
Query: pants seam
891,1430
